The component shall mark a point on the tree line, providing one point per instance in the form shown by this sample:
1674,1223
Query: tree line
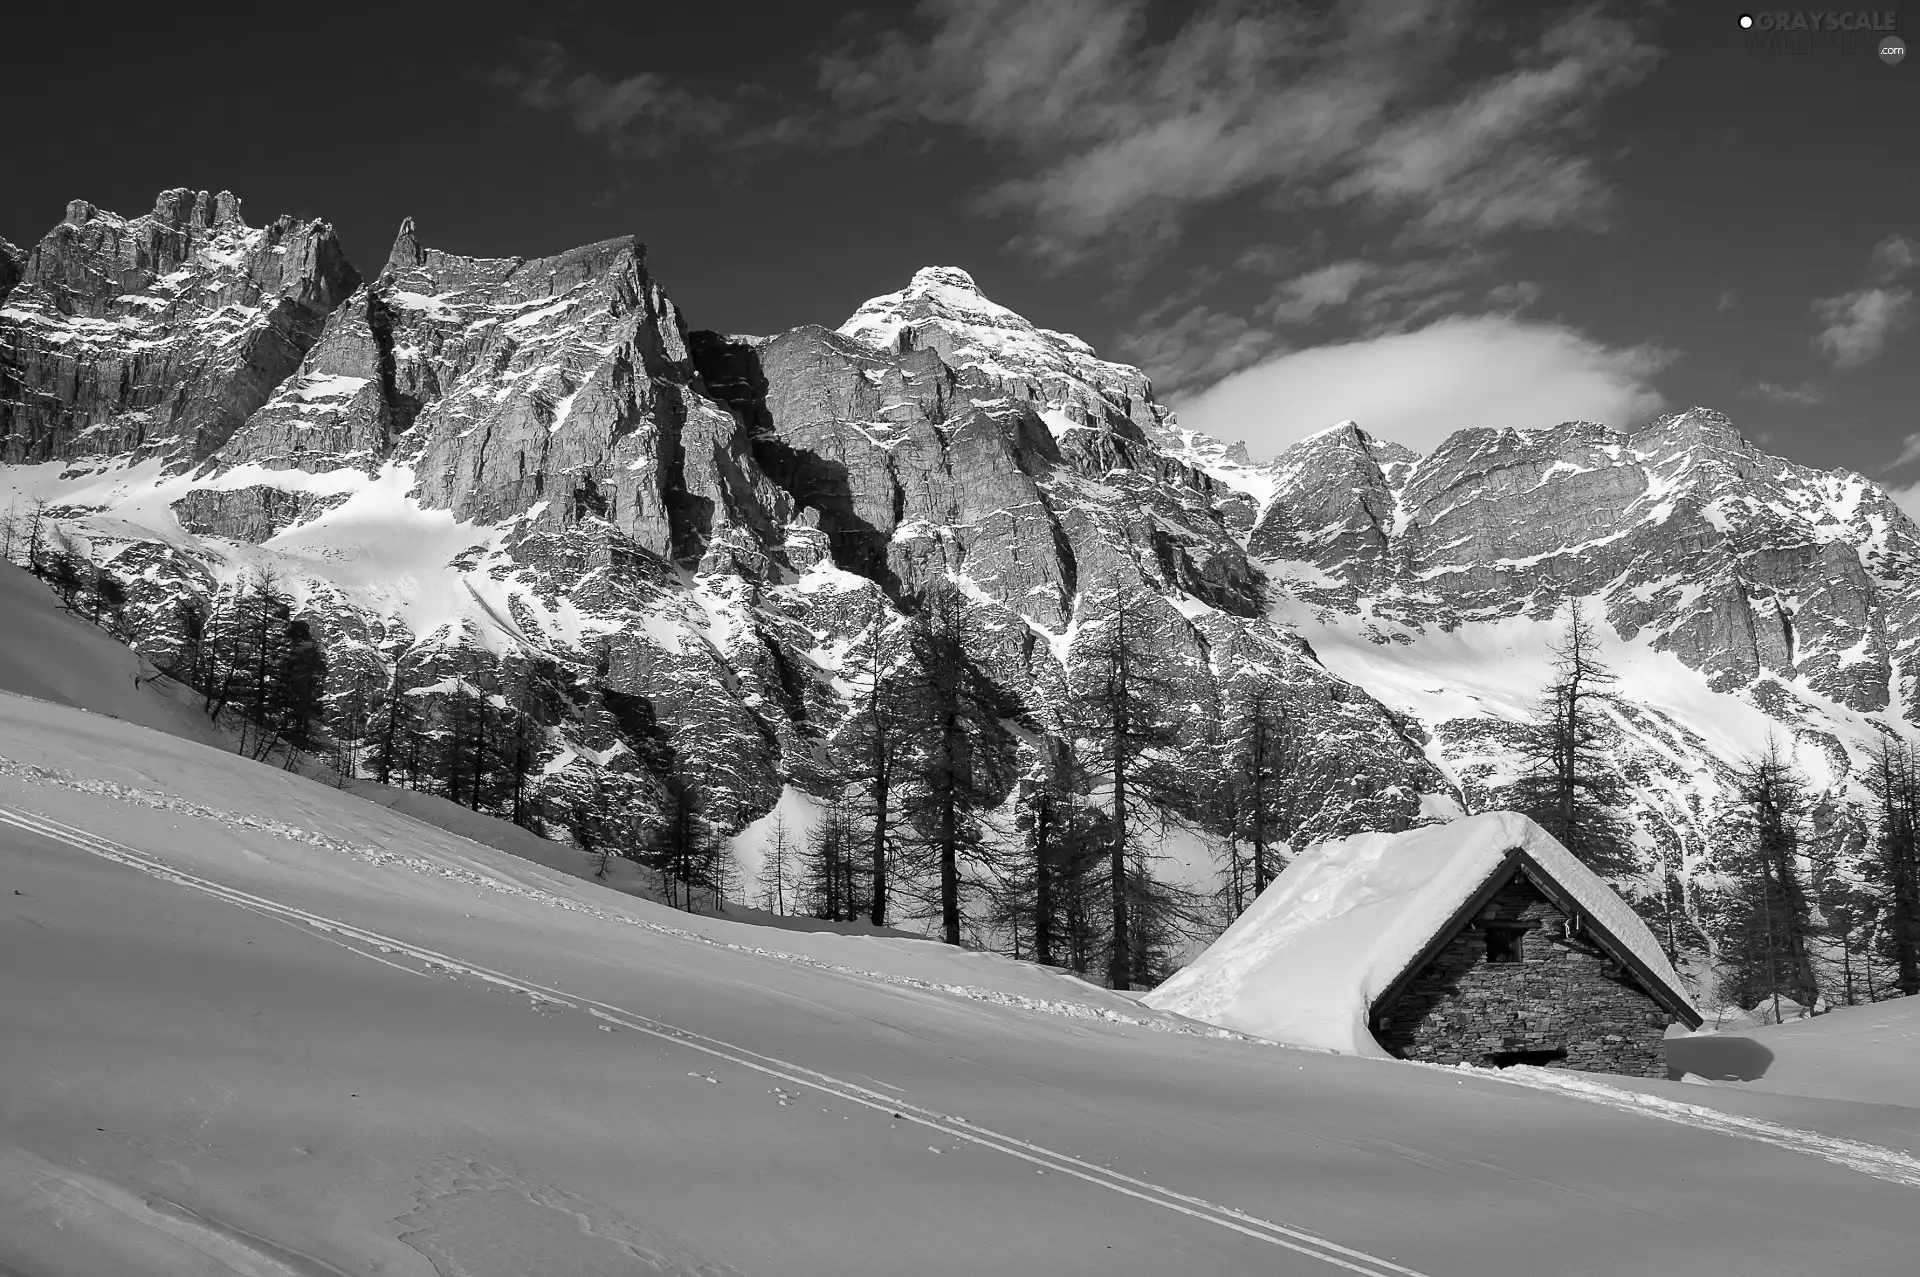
951,805
948,805
1789,913
42,545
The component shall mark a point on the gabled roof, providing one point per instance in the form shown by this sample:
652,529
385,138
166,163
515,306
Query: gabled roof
1664,988
1349,921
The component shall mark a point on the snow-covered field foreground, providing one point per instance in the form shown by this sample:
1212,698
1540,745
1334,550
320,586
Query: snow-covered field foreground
250,1025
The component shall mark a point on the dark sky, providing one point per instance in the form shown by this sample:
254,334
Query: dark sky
1419,213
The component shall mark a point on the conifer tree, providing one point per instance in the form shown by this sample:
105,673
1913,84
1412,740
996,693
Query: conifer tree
1267,751
961,757
1568,783
536,695
1769,916
1049,801
398,724
1893,927
831,875
876,741
681,847
36,533
109,594
775,879
1120,710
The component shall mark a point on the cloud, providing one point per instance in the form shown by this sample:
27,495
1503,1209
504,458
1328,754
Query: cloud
1908,499
1515,296
647,114
1893,256
1800,394
1301,298
642,114
1416,388
1729,301
1186,345
1909,452
1859,323
1496,158
1115,134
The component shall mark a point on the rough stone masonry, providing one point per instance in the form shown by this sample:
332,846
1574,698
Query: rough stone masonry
1517,985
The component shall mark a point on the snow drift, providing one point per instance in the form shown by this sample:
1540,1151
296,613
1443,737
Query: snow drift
1305,963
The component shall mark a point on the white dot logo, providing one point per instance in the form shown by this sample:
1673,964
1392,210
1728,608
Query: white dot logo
1746,21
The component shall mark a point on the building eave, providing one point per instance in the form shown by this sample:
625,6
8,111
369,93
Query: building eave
1517,861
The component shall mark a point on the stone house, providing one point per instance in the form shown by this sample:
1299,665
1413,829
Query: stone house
1527,971
1479,940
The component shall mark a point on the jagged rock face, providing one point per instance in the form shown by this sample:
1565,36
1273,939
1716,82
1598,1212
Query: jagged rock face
555,389
711,524
158,336
1743,565
943,310
12,263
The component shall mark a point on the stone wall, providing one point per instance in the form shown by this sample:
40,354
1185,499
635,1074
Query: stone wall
1563,995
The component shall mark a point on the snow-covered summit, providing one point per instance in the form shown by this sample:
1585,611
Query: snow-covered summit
943,309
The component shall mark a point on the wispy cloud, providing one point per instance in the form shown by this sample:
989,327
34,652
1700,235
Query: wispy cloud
1304,296
1909,453
1729,301
1908,499
1418,387
641,115
1894,256
1119,135
647,114
1185,344
1857,324
1798,394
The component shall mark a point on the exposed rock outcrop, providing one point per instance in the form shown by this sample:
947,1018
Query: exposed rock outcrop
465,460
157,336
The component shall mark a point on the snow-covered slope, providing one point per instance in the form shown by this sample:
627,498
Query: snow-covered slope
270,1029
1865,1054
52,655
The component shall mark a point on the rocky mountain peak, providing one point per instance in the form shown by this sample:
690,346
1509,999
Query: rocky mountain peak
158,335
407,252
13,261
928,278
943,310
1692,429
182,207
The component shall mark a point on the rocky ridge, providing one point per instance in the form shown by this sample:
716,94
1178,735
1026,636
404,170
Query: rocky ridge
539,456
157,336
707,523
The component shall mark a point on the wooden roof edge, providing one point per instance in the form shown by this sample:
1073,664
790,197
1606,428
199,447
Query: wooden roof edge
1443,935
1674,1001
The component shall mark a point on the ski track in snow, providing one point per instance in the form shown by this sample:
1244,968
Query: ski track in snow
949,1126
35,774
1869,1159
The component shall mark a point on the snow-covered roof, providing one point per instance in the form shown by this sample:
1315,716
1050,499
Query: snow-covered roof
1307,962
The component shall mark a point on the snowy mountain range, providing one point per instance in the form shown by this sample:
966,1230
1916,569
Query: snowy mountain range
457,455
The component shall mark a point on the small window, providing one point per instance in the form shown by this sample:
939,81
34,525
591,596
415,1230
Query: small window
1538,1059
1503,945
